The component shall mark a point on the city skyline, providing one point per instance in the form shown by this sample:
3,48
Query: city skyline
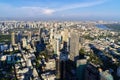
59,50
76,10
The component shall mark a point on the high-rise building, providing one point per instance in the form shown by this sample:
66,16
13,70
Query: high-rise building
58,74
40,34
1,47
80,69
65,35
105,75
24,42
57,46
51,36
57,42
29,36
74,46
92,72
13,38
118,71
63,70
19,36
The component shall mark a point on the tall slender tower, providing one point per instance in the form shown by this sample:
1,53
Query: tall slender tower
24,42
57,46
74,46
13,38
40,33
29,36
51,36
58,74
19,37
57,52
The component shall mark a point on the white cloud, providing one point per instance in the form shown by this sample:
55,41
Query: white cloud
8,10
81,5
73,6
48,11
38,10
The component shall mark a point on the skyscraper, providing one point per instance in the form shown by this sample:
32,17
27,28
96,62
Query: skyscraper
19,36
58,74
57,44
24,42
80,70
13,38
51,36
105,75
29,36
74,46
92,72
40,33
65,34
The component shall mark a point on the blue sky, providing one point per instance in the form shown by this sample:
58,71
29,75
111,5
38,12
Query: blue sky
74,9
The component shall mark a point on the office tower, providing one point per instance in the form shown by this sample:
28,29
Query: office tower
29,36
118,71
57,48
1,47
65,35
33,43
63,70
10,48
58,74
24,42
19,36
19,46
57,41
105,75
68,44
51,36
40,34
57,44
13,38
80,69
91,72
74,46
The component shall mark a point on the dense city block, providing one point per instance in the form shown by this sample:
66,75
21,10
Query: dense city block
59,50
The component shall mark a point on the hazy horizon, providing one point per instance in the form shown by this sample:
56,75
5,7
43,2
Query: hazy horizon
60,10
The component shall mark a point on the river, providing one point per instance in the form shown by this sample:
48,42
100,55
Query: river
103,27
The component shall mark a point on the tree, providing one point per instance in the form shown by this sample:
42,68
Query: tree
81,53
